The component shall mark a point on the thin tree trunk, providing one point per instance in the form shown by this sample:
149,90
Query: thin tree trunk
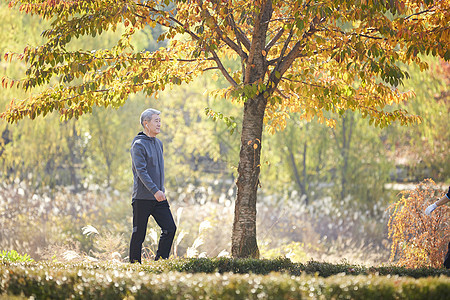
244,227
298,180
73,160
345,159
305,176
347,132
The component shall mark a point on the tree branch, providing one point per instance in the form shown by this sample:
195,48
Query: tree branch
236,47
195,37
258,43
286,61
211,68
274,39
162,13
285,46
222,69
240,36
356,34
419,13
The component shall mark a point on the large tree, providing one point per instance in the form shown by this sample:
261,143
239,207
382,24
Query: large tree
295,56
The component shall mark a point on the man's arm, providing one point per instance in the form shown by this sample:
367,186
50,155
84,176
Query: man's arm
445,199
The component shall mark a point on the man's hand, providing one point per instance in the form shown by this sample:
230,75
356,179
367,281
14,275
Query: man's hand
430,209
160,196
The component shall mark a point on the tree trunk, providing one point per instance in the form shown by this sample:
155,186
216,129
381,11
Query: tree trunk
244,227
347,133
243,238
297,178
73,159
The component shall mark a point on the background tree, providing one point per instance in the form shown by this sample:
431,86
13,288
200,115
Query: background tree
421,151
296,56
299,158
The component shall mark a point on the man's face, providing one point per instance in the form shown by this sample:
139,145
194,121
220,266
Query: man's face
153,126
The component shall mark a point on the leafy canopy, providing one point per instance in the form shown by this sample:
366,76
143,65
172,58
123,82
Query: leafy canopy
317,55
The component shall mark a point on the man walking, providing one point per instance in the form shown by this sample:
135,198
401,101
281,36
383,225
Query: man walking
149,197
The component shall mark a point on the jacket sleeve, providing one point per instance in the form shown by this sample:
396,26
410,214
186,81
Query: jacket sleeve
140,164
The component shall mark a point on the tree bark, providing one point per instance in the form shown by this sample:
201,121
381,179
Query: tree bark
244,227
243,238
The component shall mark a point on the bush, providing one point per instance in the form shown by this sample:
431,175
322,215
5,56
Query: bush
109,281
224,265
419,240
245,266
281,265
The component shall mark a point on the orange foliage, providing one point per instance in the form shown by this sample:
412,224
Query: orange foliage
419,240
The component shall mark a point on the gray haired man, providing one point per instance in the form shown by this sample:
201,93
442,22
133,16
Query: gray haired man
149,197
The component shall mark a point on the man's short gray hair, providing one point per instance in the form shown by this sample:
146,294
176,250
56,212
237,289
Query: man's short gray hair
148,114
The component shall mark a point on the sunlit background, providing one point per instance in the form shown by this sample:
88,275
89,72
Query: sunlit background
65,191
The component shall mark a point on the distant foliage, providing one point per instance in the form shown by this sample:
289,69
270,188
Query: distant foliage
419,240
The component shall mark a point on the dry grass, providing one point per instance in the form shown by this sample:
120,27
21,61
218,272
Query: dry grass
323,230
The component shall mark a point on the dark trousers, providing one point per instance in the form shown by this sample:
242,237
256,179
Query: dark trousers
447,258
142,210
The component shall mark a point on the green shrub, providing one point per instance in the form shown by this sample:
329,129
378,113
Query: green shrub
282,265
251,266
109,281
13,256
415,273
223,265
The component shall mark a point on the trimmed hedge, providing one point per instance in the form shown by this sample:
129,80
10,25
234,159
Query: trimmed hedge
45,281
249,266
282,265
226,265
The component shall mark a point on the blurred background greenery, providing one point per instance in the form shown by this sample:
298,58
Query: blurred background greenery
324,190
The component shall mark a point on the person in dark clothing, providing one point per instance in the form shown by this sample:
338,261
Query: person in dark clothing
149,198
430,209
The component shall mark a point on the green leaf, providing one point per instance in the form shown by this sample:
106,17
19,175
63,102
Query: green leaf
277,74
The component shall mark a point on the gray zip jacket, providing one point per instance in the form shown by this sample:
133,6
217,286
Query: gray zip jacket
148,167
